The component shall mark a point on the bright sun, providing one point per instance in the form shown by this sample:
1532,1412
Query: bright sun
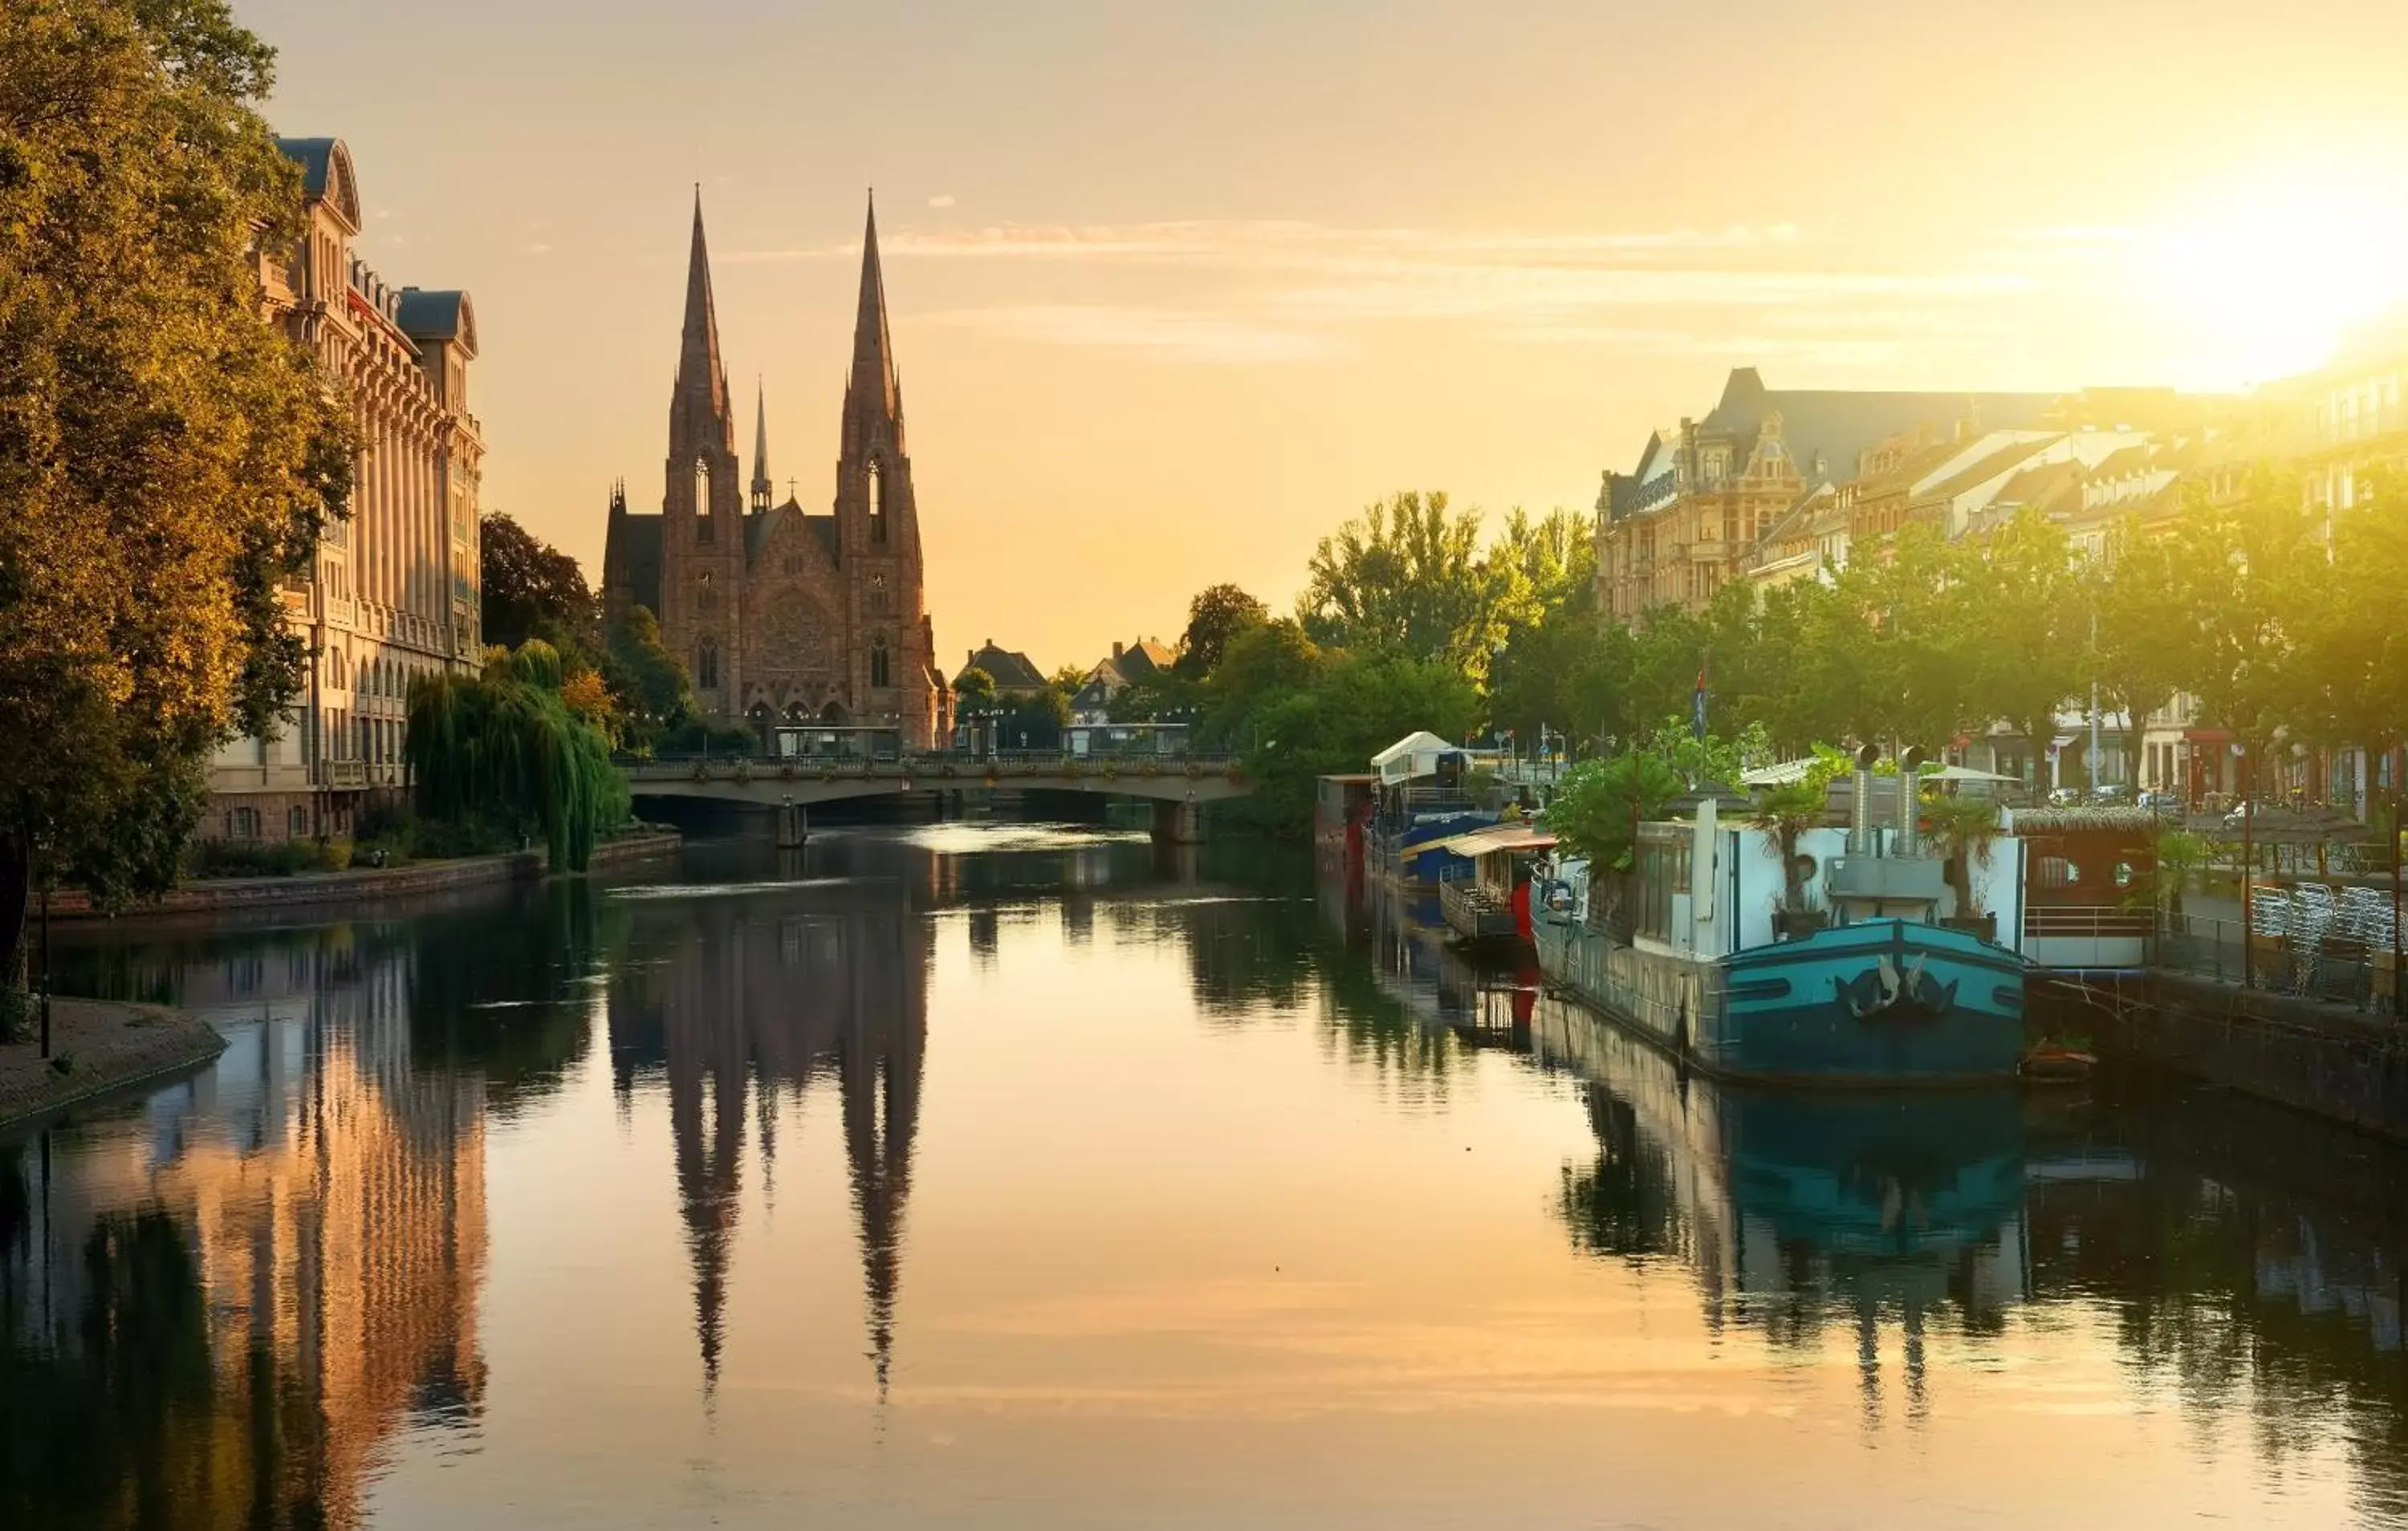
2274,274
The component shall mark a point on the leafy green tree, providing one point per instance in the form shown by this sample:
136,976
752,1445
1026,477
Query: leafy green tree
2144,613
2260,567
1359,706
506,748
2352,655
647,679
1407,578
167,458
2024,630
1213,618
1599,803
526,585
974,687
1263,666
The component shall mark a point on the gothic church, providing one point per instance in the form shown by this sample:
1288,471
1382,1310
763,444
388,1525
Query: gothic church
780,616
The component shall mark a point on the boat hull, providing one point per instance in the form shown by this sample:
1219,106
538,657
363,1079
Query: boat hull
1882,1003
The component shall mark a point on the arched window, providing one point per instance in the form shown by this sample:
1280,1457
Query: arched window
705,664
877,503
881,601
881,665
704,527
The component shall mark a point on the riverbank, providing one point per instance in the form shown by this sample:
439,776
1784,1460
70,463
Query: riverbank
99,1050
226,896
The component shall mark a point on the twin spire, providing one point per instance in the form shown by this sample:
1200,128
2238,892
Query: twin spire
870,389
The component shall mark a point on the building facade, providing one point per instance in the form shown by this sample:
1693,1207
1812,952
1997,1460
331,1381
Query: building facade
394,593
781,617
1685,521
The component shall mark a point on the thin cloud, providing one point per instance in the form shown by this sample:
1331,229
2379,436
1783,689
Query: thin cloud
1165,335
942,200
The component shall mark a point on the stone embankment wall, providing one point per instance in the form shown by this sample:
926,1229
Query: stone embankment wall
361,884
98,1051
2328,1059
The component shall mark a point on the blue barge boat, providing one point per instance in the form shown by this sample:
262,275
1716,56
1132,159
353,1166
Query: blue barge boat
1891,985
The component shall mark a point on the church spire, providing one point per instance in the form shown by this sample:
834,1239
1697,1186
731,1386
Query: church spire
761,487
872,389
699,367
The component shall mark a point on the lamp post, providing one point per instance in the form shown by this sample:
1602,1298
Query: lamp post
2248,867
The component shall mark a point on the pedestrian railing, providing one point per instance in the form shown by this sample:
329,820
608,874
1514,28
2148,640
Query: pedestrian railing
2289,946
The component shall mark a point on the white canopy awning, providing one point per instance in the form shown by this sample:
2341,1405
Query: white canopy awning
1488,837
1415,755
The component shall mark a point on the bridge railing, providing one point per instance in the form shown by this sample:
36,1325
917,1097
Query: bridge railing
933,765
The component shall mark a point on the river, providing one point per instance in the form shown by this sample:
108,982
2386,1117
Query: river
1010,1175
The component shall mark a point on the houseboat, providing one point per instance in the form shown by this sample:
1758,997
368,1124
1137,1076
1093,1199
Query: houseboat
1490,903
1892,979
1423,795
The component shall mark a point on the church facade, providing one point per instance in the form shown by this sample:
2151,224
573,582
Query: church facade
783,617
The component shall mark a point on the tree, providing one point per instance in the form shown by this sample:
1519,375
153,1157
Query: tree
1263,666
1213,618
168,457
974,687
526,582
506,746
1404,579
649,682
1355,707
2024,629
2145,626
1599,803
2258,565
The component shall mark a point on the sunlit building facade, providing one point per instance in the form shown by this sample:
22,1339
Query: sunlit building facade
393,596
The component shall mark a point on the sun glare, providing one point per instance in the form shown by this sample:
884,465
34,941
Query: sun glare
2273,274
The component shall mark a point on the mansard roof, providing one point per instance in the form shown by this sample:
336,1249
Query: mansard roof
326,174
447,317
1838,424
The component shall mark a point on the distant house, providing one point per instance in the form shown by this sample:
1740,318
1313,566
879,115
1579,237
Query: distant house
1014,673
1134,664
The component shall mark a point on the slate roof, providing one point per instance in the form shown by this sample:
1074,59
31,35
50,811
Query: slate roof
436,316
1985,468
1840,425
1012,669
1143,658
313,155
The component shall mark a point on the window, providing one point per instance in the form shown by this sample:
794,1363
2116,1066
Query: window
705,664
881,601
881,665
242,824
877,503
793,563
296,821
706,600
704,529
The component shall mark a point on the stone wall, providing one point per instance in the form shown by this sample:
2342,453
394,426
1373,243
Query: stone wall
2334,1060
361,884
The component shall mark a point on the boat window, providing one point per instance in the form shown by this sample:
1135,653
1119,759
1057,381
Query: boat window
1660,870
2123,874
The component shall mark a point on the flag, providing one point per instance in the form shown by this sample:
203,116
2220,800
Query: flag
1697,705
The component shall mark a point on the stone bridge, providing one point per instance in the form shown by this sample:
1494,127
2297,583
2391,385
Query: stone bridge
1175,785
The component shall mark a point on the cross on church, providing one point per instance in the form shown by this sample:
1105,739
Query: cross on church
790,489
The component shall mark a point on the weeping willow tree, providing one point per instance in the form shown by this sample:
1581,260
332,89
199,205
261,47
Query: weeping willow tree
505,745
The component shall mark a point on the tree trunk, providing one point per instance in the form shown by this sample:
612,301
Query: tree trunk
16,897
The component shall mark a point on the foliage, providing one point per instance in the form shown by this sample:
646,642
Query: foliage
646,679
265,858
1785,811
1359,706
1961,829
504,747
166,458
1214,617
1407,579
525,583
1599,803
2180,858
974,687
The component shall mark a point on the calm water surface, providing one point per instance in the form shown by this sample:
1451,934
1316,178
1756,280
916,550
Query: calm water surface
1011,1176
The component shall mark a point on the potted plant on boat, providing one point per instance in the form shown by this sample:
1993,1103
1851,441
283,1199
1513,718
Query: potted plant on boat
1785,812
1962,830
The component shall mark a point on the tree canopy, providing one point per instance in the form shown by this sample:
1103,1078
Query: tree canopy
526,585
168,457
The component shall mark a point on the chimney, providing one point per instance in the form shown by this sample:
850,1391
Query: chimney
1116,649
1860,817
1910,801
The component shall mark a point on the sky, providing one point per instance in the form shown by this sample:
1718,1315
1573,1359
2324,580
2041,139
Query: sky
1178,288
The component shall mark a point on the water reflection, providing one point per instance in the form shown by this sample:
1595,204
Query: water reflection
270,1294
219,1306
824,978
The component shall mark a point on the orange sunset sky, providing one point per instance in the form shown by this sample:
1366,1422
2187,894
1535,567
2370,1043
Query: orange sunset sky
1177,288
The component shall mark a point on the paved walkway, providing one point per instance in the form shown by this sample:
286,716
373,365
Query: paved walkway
96,1050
